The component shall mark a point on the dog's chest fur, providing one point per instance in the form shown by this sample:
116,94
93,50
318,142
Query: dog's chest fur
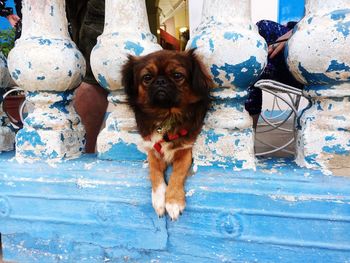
167,148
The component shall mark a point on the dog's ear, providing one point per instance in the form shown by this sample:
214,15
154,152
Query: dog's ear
201,80
128,78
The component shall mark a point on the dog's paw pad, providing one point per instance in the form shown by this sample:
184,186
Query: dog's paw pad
174,210
158,200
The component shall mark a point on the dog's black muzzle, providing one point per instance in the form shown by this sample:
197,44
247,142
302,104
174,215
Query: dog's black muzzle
163,93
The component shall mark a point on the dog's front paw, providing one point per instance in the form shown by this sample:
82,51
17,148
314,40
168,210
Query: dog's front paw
174,210
158,199
175,202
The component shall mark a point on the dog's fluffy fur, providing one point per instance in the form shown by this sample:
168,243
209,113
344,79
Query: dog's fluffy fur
169,93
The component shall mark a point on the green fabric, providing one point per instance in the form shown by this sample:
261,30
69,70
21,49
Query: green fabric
86,18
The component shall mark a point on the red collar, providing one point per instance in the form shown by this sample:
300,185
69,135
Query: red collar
168,137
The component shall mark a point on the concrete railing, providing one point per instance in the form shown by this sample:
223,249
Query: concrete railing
46,63
90,210
48,66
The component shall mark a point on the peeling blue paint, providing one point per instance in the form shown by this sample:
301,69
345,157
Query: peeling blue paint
311,159
40,77
211,45
330,138
339,14
102,81
232,36
237,142
136,48
258,44
143,36
194,41
29,65
62,104
343,28
15,74
315,78
68,45
339,118
238,103
336,149
238,163
42,41
212,136
337,66
242,80
51,11
29,136
309,20
122,151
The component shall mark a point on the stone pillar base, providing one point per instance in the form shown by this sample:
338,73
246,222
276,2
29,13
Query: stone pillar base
52,131
324,133
227,138
120,140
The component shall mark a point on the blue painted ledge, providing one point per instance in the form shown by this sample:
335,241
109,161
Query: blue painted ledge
89,210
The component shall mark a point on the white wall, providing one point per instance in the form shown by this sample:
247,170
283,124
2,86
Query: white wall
264,9
195,13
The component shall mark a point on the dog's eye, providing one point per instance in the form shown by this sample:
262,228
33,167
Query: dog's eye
178,76
147,77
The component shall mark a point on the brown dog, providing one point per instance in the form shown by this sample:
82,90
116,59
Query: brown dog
169,94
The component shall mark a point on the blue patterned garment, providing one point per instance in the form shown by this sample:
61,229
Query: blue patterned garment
276,68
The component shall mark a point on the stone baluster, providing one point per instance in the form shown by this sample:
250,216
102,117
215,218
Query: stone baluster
48,66
235,55
318,56
126,32
7,134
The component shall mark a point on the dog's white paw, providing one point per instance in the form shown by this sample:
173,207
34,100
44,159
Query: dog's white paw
174,210
158,199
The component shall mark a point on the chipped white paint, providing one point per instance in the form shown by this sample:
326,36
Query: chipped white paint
126,32
7,135
235,55
318,56
47,65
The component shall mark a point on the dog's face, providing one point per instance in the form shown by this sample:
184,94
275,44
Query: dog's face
165,80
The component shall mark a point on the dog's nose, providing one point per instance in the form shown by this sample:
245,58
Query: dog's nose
161,81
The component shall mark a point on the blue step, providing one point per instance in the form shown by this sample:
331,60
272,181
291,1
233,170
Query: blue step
90,210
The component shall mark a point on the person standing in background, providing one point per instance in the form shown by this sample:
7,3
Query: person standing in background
276,36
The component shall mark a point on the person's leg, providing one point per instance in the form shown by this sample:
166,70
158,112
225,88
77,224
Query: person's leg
270,31
87,21
90,103
253,104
